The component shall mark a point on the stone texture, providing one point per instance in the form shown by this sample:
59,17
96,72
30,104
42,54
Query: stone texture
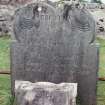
4,1
45,93
56,45
8,7
6,19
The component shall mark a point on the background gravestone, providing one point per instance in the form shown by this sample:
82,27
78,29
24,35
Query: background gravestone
56,45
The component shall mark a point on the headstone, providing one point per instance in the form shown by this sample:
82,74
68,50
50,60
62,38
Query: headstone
84,53
45,93
56,45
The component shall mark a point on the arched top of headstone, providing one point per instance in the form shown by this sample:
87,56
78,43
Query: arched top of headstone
32,17
44,18
80,20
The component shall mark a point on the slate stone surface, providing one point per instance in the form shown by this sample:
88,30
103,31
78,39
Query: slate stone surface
56,45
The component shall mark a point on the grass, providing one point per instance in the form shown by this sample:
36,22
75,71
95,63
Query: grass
102,57
5,94
4,53
101,93
101,84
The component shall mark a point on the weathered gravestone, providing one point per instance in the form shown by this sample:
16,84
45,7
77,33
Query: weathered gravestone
56,45
45,93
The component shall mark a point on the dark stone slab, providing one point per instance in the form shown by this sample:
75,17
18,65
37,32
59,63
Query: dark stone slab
56,45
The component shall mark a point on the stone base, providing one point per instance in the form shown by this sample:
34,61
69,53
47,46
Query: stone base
45,93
